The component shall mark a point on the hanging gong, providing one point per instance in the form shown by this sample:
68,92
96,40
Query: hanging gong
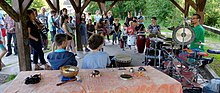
183,35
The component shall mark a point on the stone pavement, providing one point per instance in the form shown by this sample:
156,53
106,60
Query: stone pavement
12,66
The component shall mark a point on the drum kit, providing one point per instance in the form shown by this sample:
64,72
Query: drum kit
161,53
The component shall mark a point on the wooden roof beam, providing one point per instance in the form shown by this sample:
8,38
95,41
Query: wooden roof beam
110,7
193,4
73,3
201,4
186,8
51,5
86,3
26,4
178,6
102,6
9,10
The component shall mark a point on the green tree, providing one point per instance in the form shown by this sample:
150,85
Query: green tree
37,4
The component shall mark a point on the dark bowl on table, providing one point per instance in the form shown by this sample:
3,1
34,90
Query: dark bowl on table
69,71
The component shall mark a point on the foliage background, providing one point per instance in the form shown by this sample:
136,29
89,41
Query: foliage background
166,13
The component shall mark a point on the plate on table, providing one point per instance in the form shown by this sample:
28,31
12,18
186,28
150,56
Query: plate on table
125,76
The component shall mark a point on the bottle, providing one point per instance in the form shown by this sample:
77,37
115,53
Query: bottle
131,70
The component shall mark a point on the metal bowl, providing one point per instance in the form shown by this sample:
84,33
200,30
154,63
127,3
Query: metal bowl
69,71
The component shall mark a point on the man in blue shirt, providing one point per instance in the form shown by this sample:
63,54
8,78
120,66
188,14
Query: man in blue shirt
96,59
61,57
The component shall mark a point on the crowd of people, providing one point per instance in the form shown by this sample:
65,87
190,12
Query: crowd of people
62,29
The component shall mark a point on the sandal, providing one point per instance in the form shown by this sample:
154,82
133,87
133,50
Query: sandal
47,67
37,67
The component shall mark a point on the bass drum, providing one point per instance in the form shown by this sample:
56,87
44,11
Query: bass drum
183,35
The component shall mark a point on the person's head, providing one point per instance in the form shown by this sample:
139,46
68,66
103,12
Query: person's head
134,18
109,13
53,12
135,23
31,14
153,20
101,21
97,12
95,42
90,21
140,13
61,40
64,10
130,23
83,15
195,19
89,14
116,20
64,18
70,19
43,10
35,11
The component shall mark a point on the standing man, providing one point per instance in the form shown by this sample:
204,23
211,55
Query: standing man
43,19
199,33
154,28
140,18
97,17
10,26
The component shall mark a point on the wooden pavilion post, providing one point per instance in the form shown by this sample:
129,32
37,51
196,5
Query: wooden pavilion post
78,12
77,7
21,7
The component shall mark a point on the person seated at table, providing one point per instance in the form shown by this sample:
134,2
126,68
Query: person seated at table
96,59
154,28
61,57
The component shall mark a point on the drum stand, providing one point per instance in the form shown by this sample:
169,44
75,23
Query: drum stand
155,53
172,68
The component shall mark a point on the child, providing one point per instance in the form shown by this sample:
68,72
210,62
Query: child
124,35
96,59
61,57
131,36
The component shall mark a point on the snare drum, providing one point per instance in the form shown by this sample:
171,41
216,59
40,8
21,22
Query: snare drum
131,40
156,43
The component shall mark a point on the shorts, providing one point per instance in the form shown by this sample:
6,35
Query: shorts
3,32
2,45
69,37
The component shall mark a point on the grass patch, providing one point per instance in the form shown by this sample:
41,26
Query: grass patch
10,77
215,65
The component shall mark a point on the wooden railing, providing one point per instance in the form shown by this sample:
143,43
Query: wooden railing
212,29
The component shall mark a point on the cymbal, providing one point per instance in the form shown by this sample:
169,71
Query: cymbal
183,35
